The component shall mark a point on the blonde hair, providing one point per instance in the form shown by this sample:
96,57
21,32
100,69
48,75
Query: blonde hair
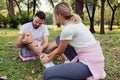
64,9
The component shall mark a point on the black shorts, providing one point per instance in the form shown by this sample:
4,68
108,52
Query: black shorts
70,52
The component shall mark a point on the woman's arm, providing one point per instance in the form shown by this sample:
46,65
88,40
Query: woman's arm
56,53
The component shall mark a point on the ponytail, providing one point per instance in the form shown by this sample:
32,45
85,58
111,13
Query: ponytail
75,18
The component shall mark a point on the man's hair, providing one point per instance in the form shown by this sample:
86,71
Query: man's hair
41,15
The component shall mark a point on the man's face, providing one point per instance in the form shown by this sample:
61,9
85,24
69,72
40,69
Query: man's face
37,22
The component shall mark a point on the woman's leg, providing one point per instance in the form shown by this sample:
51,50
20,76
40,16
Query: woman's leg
58,79
68,71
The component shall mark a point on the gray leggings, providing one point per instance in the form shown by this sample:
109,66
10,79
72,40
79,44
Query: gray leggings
67,71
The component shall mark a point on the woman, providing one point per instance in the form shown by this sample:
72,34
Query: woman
87,60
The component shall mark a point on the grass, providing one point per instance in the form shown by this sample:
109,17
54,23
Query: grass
15,69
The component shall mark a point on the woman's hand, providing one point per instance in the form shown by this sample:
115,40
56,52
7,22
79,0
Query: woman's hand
44,58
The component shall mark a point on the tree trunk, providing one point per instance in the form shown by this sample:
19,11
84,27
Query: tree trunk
51,1
92,25
112,19
79,7
10,8
113,12
34,7
91,17
102,17
28,8
18,7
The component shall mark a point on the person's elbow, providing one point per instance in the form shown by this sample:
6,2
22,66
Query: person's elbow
18,45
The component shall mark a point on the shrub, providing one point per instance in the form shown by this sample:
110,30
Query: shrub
3,21
14,22
49,19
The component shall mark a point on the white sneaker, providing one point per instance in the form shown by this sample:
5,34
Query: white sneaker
50,64
46,65
66,61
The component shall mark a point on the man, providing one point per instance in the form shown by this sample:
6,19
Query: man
37,42
39,33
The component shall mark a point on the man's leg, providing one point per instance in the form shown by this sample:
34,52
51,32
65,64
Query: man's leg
30,43
51,46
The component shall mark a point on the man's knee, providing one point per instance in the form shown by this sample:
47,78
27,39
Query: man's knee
27,33
52,46
27,37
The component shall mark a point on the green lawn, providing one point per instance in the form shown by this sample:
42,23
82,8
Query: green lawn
15,69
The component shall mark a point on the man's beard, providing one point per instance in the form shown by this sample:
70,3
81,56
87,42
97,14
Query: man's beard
35,26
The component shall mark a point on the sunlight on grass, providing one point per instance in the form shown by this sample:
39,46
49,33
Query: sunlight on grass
97,28
8,32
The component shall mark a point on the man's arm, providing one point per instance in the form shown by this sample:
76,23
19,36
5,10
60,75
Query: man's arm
19,43
45,42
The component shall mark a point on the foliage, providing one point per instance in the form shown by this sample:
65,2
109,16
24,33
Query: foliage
31,2
15,69
3,21
86,19
49,19
21,19
117,17
13,22
24,18
2,4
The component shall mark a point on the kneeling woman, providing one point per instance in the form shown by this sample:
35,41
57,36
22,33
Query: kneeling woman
80,47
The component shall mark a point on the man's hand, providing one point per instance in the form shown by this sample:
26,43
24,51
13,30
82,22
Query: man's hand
27,39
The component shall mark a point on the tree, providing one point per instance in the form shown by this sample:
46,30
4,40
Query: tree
10,8
52,3
2,5
117,17
79,7
91,7
102,17
18,7
34,6
113,8
28,8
